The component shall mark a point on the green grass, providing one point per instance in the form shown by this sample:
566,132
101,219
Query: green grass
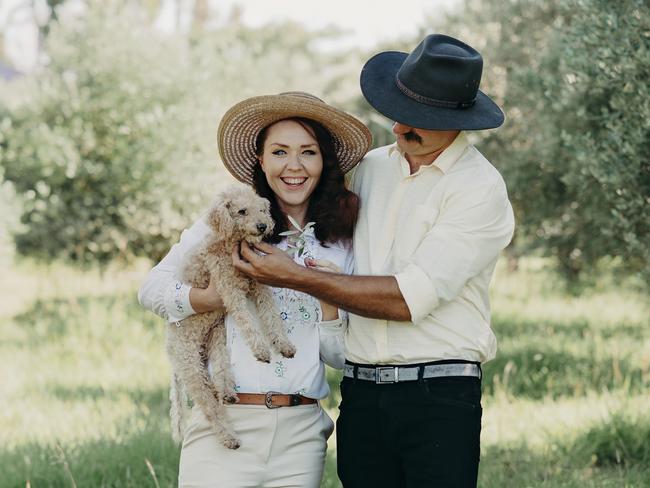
84,384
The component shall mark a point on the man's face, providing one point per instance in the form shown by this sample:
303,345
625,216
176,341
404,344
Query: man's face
421,142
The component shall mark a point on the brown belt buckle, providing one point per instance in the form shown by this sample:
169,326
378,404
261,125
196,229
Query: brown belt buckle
268,399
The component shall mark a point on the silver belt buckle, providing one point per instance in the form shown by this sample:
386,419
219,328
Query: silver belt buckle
268,399
387,375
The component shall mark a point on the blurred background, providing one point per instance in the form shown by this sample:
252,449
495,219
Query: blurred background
108,114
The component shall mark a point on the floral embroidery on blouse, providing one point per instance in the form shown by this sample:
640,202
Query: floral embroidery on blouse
297,308
280,369
298,311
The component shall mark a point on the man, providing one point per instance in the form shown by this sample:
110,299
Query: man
434,217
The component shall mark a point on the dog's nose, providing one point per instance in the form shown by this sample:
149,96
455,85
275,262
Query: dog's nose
261,227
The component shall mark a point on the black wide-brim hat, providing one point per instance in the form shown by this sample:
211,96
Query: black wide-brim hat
435,87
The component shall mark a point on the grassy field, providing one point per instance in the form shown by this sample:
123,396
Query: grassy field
84,384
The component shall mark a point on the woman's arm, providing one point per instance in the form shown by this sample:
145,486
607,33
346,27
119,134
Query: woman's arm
165,295
206,299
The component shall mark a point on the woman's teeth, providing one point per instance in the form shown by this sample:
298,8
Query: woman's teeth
294,181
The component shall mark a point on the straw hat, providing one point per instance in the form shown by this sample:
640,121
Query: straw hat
241,125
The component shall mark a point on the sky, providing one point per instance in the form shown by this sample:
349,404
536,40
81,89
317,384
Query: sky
368,22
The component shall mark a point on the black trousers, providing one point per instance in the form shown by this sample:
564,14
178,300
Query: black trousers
422,433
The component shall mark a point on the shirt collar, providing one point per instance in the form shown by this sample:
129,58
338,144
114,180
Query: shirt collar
443,162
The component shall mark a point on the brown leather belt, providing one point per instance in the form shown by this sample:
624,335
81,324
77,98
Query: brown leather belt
273,399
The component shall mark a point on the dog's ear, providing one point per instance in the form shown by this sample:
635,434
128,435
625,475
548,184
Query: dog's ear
219,218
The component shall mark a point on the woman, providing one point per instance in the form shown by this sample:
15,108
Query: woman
294,150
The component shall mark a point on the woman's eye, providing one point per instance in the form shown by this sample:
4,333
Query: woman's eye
279,152
242,212
309,152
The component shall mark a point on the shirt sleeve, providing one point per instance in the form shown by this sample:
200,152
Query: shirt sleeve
162,292
332,332
332,341
473,227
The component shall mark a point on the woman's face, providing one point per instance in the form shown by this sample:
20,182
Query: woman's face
293,163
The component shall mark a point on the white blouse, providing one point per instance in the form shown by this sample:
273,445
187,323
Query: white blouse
316,341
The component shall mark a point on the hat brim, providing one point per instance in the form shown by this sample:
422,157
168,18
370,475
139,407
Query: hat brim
380,90
241,125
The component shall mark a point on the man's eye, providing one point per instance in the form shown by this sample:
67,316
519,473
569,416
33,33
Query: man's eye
242,211
279,152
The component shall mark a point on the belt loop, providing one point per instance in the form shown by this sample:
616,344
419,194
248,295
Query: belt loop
355,373
480,372
421,374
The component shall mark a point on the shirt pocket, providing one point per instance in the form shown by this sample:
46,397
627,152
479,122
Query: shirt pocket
416,225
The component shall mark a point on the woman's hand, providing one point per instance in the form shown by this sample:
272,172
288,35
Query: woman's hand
206,299
330,312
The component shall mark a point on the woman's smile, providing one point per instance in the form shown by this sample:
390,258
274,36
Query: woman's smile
292,163
294,182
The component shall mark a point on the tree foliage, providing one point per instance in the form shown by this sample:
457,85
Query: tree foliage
572,76
113,149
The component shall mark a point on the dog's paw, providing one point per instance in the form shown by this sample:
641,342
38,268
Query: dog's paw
287,349
263,356
231,442
230,398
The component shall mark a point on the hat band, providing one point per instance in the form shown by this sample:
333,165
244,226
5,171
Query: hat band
432,101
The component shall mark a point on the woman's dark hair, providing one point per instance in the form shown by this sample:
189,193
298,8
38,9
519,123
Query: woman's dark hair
333,207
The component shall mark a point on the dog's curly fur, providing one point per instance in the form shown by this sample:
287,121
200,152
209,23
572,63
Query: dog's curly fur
238,214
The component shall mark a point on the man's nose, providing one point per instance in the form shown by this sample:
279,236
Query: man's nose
399,128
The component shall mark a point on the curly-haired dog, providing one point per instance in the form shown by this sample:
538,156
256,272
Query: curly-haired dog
239,214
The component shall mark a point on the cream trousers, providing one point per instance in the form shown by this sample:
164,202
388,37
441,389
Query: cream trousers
280,448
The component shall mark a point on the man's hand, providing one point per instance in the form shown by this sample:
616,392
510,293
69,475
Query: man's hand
273,268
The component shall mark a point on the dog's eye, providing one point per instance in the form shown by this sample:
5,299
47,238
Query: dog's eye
242,212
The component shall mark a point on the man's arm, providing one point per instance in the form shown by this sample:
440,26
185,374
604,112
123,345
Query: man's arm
370,296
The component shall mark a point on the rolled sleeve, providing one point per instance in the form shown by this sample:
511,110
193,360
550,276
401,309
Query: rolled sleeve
418,292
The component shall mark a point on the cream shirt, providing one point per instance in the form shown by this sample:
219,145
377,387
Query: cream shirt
439,231
317,342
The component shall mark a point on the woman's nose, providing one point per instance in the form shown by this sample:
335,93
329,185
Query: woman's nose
294,161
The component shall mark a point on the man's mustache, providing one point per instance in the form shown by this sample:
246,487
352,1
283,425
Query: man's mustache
412,136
